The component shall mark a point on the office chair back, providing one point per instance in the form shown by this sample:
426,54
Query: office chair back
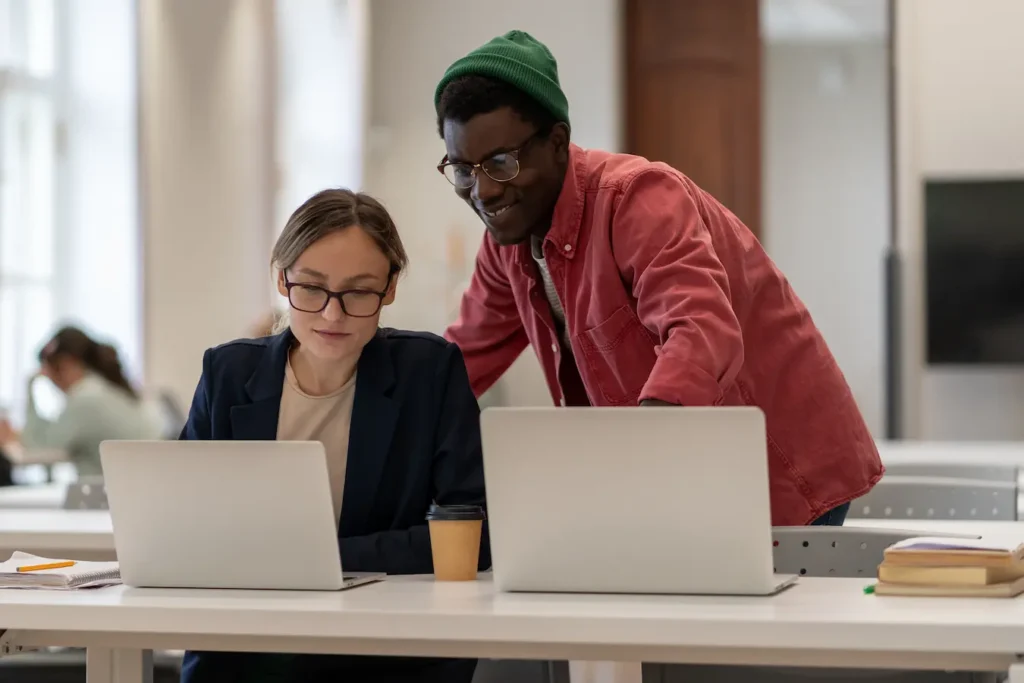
912,497
86,494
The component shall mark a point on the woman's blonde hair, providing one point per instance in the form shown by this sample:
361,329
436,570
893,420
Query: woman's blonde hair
330,211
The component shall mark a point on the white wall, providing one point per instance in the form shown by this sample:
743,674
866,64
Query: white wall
411,45
960,96
208,156
826,194
207,191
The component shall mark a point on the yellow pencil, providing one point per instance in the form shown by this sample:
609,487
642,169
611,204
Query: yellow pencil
51,565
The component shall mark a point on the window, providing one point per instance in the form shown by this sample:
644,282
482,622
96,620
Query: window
320,99
68,192
30,94
321,58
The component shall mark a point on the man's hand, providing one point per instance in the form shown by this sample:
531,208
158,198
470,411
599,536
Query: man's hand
655,402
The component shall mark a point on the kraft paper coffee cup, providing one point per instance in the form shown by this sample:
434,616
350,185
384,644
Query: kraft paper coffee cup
455,540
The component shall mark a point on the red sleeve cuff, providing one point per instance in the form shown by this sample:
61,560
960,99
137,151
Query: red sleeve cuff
682,384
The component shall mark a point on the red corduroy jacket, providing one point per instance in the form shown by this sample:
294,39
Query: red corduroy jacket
667,295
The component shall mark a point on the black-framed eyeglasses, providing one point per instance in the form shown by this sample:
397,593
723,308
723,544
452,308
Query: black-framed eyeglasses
355,303
501,167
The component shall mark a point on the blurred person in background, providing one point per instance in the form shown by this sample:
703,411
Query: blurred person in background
100,402
393,409
633,285
6,465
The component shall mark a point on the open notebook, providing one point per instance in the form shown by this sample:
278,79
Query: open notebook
78,575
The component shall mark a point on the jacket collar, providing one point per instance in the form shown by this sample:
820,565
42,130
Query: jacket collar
267,380
374,415
568,215
257,420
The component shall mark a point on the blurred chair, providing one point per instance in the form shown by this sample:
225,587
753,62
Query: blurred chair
911,497
836,552
86,494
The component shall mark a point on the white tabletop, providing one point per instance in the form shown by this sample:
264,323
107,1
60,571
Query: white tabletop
1007,453
931,527
64,533
42,496
417,615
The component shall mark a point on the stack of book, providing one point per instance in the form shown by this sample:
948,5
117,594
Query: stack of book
953,567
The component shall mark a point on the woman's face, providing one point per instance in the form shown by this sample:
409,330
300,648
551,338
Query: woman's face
344,261
62,371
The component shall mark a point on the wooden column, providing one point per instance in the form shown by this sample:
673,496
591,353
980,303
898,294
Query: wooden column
693,88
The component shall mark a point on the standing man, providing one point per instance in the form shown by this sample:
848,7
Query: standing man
633,285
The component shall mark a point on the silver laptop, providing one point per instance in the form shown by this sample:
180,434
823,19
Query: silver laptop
629,500
224,514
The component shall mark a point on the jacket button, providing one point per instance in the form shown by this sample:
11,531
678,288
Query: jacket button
554,347
568,247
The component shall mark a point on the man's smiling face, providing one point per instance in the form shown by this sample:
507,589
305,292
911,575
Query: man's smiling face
522,206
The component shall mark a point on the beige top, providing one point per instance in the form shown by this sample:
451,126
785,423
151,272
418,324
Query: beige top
319,418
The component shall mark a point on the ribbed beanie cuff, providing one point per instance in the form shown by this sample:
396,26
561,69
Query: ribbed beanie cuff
519,59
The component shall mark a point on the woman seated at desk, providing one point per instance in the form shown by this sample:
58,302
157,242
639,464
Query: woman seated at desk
394,410
100,402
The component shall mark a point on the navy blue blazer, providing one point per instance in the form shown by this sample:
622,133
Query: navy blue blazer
415,437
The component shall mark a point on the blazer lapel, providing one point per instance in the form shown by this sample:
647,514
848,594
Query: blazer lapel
257,421
374,415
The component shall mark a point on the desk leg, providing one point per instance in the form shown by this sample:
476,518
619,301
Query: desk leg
558,671
118,666
602,672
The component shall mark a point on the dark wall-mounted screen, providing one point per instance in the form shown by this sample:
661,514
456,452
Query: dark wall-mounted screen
974,246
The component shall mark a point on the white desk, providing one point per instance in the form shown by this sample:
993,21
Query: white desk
926,527
42,496
74,534
825,622
1003,453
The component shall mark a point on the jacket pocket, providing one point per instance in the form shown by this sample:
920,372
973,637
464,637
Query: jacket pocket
618,356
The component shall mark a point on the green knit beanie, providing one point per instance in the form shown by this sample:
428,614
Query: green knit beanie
519,59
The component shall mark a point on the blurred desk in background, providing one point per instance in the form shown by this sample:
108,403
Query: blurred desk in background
61,534
35,497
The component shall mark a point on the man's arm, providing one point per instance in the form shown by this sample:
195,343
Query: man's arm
489,331
655,402
664,247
